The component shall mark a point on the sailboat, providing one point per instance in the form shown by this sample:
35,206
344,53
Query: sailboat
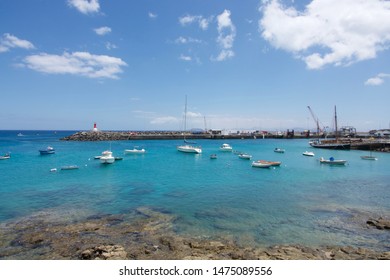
331,144
186,147
370,157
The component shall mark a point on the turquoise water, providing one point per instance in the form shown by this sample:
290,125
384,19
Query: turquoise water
300,202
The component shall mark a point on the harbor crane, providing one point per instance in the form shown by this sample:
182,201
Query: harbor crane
316,120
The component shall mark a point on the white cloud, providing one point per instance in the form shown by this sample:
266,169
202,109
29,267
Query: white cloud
328,32
202,22
378,80
164,120
102,30
226,35
188,40
224,54
110,46
185,57
9,41
77,63
152,15
85,6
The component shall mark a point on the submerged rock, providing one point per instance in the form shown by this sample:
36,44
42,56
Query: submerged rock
379,223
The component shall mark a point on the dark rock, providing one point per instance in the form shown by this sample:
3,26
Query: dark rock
379,223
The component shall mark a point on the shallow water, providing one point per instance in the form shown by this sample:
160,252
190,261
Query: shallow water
300,202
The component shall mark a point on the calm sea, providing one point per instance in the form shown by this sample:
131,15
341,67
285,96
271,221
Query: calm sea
300,202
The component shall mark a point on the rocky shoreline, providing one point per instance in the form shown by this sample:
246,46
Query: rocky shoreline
147,234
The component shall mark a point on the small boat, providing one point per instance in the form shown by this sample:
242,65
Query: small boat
225,148
260,164
189,149
6,156
97,157
48,151
279,150
135,151
308,154
69,167
333,161
369,157
20,134
245,156
272,163
107,157
118,158
213,156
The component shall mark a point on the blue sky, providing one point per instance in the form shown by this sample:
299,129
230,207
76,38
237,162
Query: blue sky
128,65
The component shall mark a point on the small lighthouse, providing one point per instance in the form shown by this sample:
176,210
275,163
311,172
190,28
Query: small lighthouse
94,128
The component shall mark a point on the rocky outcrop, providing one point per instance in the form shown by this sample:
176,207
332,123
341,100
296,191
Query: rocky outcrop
379,223
144,234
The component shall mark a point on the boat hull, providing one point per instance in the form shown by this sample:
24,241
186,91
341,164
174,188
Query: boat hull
189,149
135,151
107,160
333,161
261,165
331,146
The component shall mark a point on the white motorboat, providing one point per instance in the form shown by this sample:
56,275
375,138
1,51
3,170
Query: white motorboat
107,157
135,151
245,156
260,164
308,154
6,156
189,149
225,148
333,161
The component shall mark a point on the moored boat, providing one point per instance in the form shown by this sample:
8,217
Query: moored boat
333,161
225,148
48,151
308,154
369,157
279,150
272,163
69,167
260,164
135,151
6,156
107,157
189,149
245,156
213,156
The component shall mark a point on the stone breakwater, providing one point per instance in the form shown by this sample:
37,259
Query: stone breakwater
146,234
157,135
379,145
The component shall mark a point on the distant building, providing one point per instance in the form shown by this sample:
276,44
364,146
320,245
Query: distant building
347,131
380,133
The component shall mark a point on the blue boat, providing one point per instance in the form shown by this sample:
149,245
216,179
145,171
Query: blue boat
49,150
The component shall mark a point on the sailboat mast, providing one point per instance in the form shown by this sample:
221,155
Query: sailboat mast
335,122
185,115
